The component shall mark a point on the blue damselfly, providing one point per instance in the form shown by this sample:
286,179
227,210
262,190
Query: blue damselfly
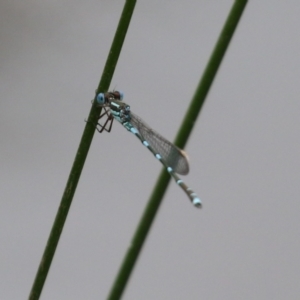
174,159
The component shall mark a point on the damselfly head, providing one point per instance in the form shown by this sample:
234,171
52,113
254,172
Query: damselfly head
105,98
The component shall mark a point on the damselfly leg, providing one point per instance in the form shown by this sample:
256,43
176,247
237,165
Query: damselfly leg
108,122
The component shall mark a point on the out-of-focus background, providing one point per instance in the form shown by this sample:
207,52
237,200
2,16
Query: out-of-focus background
244,150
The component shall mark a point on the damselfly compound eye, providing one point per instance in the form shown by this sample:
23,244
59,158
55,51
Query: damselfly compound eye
101,99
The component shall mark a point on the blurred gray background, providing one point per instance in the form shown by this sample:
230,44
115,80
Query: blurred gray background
244,150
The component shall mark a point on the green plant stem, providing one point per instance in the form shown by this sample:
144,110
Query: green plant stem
181,139
82,152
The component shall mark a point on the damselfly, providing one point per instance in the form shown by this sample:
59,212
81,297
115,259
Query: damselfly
174,159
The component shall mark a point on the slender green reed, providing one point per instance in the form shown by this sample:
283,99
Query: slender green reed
82,152
181,139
